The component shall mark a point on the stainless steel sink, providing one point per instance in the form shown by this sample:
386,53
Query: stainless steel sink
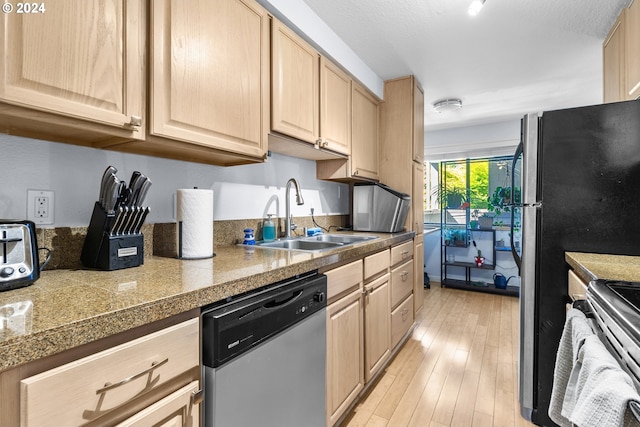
323,242
345,239
299,245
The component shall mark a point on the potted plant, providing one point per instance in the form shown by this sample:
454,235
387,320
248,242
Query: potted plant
501,199
485,221
455,197
473,224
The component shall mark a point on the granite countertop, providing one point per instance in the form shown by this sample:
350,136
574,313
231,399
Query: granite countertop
68,308
590,266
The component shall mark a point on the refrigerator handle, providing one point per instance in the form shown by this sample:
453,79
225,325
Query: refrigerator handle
516,155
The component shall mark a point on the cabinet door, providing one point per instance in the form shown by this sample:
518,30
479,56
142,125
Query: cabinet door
210,73
402,282
418,276
345,354
418,122
295,68
377,326
613,52
78,58
335,107
417,198
179,409
84,390
632,51
401,320
364,133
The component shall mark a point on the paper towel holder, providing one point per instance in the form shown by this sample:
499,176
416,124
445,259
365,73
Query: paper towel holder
180,256
194,232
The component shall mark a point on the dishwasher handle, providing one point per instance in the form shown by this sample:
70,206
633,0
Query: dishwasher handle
276,303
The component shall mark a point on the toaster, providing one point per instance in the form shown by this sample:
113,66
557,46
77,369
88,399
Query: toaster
377,207
19,264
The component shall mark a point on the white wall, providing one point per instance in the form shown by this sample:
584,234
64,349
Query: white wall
74,172
488,140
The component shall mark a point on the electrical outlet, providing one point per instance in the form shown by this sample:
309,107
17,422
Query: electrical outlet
40,206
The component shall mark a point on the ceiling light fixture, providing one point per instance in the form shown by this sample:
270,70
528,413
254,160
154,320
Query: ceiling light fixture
475,7
446,105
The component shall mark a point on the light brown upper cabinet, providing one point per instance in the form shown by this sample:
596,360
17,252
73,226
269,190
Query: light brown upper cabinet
418,122
335,108
311,100
204,97
365,119
402,142
209,81
632,51
613,62
362,164
621,57
75,71
295,67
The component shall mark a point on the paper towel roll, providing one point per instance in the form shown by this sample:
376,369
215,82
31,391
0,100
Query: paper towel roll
194,215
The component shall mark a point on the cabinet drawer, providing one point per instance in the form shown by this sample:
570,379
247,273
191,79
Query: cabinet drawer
177,409
577,288
401,282
401,320
86,389
343,278
376,263
401,252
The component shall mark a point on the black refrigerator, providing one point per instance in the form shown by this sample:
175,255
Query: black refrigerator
580,177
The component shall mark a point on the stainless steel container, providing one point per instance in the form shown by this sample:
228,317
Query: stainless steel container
377,207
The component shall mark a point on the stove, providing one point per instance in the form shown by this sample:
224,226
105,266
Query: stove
616,310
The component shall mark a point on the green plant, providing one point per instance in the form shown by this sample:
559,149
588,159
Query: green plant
502,199
455,197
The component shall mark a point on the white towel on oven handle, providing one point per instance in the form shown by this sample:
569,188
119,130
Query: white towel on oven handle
576,329
599,391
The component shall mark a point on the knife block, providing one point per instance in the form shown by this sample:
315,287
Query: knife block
105,251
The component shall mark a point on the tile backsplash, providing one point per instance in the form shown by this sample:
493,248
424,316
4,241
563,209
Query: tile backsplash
66,243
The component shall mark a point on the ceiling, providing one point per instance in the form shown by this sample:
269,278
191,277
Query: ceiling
514,57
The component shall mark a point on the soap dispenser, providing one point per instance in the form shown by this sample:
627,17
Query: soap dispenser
268,229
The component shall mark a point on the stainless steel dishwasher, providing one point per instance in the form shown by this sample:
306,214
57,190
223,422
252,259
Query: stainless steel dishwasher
264,356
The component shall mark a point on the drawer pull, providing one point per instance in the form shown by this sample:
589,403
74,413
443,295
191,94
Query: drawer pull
197,397
404,275
405,311
405,254
108,386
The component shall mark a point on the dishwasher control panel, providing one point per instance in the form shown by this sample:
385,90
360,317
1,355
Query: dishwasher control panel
317,300
238,325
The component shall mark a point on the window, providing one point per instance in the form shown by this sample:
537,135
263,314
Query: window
468,189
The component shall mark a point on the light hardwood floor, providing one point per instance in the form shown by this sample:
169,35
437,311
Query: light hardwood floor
459,367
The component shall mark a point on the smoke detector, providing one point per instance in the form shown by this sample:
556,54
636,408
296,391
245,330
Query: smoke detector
446,105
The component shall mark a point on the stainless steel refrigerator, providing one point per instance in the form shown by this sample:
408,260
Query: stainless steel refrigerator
580,171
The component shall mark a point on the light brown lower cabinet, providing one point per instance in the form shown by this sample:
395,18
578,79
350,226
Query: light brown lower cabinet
370,310
377,325
402,286
151,380
345,361
179,409
418,275
401,320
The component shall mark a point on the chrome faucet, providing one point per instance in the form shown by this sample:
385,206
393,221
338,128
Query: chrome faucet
289,225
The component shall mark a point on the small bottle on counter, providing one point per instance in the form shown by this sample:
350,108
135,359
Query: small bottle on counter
249,238
268,229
